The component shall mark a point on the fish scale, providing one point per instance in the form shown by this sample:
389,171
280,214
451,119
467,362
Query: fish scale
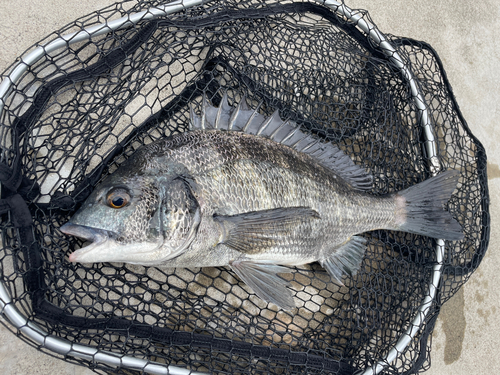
253,193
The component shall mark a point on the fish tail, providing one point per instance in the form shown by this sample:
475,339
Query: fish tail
420,208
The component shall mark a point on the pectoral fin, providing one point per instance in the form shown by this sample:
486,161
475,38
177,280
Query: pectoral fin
258,231
345,259
265,282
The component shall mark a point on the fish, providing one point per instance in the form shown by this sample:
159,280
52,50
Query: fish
254,193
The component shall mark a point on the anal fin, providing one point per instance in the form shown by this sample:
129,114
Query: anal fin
264,280
346,259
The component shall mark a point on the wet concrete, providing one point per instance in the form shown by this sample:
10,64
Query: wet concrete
454,324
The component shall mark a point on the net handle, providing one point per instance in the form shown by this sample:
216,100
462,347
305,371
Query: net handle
430,148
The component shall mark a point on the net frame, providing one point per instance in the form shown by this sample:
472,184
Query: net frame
37,334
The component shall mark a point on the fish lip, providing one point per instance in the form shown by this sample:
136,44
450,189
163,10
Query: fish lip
95,235
84,232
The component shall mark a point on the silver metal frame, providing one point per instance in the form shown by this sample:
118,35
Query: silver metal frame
61,346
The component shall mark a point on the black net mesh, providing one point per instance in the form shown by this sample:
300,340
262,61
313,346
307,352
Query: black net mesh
79,111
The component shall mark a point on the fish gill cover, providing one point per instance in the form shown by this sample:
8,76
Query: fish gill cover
80,111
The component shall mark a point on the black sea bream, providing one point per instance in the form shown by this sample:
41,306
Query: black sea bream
252,193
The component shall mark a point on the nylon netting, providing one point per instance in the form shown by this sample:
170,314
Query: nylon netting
81,110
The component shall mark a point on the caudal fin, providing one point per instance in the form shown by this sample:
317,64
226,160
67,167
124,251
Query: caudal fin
421,208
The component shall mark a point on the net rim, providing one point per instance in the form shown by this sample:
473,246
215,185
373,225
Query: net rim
60,346
64,347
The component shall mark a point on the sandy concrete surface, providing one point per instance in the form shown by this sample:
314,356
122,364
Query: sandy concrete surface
466,339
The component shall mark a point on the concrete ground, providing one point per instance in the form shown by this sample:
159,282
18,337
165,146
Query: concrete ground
466,339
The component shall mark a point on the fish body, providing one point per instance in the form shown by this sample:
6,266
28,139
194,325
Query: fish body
251,192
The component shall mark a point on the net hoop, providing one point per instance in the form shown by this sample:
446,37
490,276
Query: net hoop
60,346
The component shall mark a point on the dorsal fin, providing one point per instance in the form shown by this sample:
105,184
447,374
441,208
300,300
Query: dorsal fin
241,118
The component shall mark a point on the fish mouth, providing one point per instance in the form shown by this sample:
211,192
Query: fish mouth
97,236
105,248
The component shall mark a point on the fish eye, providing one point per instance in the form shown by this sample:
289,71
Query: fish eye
117,198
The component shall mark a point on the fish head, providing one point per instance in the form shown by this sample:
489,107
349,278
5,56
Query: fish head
134,218
117,216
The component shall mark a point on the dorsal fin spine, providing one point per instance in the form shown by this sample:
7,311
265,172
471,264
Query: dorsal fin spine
313,143
290,135
192,117
250,119
266,123
235,113
273,135
204,111
296,144
219,114
309,145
